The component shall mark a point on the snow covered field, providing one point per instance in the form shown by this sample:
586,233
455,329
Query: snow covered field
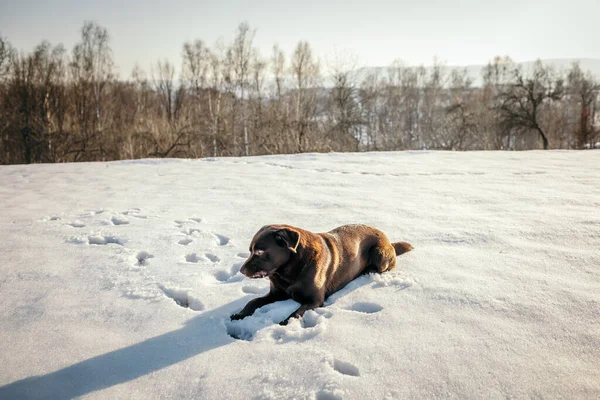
117,279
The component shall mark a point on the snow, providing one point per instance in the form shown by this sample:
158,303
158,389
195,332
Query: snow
117,279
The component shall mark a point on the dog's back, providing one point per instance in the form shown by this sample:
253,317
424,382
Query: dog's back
358,249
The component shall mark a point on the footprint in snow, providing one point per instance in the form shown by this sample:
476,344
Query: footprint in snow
116,220
142,257
192,258
140,216
185,242
365,307
345,368
95,212
182,298
212,257
134,212
231,275
222,240
387,280
324,313
195,258
310,319
311,325
191,231
263,325
76,224
329,394
249,289
104,240
180,223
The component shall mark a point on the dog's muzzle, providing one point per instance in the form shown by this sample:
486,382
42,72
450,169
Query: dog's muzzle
252,273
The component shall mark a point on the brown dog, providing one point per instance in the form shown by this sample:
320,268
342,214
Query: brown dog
309,267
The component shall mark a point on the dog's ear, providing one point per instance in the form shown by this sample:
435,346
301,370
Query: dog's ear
287,237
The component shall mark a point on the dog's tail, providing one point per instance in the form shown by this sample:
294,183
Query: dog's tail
402,247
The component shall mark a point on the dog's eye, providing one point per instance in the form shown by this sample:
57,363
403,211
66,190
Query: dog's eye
259,252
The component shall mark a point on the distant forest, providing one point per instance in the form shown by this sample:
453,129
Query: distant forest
230,100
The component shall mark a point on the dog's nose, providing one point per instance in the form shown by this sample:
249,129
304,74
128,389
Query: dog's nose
244,269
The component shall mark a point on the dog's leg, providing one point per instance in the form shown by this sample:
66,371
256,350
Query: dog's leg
257,303
300,312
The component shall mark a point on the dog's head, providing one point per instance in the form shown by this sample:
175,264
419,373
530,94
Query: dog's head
271,248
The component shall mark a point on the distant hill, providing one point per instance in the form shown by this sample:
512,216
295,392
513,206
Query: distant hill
475,71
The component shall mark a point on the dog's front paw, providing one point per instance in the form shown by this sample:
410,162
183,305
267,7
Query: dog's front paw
287,320
237,316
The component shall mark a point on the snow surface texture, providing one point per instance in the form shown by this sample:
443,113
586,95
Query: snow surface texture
118,279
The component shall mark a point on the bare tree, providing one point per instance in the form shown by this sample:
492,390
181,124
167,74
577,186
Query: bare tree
241,55
403,107
345,110
6,52
280,108
171,97
196,69
496,78
196,65
433,104
305,70
219,91
521,101
91,71
256,92
5,57
584,89
278,68
169,93
459,124
371,102
34,105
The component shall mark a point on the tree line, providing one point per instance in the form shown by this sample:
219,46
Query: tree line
229,100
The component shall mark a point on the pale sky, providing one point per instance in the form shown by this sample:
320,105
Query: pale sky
377,32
